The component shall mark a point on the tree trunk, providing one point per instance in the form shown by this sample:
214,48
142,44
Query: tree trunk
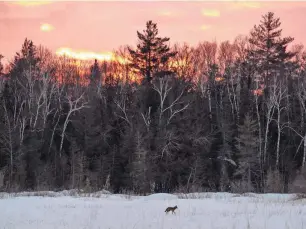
278,139
63,132
304,152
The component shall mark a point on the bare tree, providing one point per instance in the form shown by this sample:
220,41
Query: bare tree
182,62
162,87
57,113
121,102
121,67
75,104
172,144
207,56
278,95
301,94
205,87
241,46
147,118
48,60
226,55
45,91
269,112
205,59
49,91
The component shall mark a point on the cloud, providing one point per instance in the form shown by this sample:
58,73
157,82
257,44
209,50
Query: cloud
45,27
31,3
205,27
210,13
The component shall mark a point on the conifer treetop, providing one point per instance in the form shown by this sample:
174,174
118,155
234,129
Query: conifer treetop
152,52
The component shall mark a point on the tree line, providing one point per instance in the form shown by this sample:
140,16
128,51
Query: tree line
215,117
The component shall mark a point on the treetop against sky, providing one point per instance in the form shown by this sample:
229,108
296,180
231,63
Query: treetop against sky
90,30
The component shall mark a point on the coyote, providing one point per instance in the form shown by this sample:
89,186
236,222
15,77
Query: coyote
171,209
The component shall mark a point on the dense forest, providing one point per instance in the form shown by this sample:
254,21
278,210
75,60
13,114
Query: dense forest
226,116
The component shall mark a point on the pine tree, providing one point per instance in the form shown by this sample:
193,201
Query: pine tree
25,60
268,48
27,55
152,52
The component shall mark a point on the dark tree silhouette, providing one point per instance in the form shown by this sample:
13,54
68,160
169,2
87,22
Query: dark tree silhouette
95,71
203,128
152,53
268,49
27,57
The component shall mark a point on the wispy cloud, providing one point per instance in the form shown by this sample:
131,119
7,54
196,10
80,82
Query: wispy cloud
210,13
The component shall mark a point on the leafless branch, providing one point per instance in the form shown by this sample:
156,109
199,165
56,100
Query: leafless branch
74,106
121,104
162,88
172,143
147,118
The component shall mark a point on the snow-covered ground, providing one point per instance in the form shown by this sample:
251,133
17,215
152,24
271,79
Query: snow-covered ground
195,211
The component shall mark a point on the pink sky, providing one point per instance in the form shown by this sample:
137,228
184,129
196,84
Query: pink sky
103,26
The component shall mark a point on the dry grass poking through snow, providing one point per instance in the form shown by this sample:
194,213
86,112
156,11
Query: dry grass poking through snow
71,193
103,210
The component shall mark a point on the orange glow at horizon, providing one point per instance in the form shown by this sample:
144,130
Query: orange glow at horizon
84,55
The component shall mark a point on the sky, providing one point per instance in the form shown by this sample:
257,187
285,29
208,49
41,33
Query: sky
95,29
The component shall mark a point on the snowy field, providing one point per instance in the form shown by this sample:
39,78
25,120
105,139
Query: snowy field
195,211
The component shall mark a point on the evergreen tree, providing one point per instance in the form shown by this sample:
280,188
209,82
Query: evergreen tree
268,48
95,71
25,61
27,56
152,53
